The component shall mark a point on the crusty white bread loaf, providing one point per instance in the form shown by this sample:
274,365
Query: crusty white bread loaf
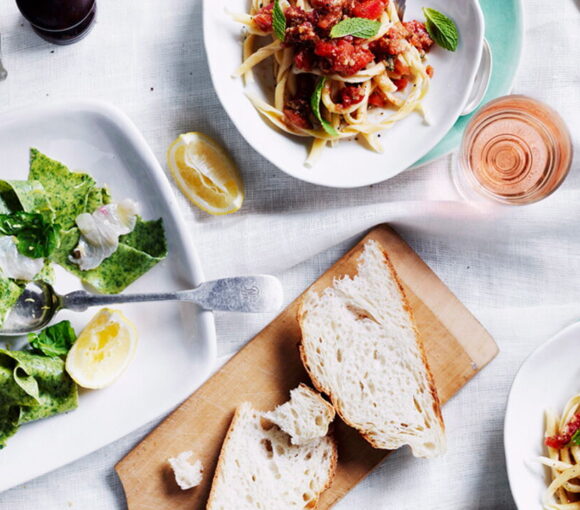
361,347
305,417
258,468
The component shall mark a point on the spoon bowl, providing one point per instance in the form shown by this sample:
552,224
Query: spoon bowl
33,311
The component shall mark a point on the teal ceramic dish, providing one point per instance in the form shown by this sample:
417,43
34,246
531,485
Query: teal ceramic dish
504,31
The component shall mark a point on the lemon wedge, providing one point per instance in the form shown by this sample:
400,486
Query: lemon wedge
205,173
103,350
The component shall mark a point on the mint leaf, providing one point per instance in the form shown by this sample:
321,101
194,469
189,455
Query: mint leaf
357,27
576,438
56,340
279,21
34,236
441,29
315,105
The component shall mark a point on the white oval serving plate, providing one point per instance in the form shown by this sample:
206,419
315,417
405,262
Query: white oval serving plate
348,165
177,346
546,380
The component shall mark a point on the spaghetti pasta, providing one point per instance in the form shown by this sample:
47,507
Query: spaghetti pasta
562,438
386,69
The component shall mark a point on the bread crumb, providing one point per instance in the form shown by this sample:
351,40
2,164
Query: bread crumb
187,475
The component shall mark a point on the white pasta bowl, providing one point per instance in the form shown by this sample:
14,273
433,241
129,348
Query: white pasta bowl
348,164
546,380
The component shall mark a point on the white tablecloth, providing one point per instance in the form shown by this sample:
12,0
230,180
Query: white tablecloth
515,269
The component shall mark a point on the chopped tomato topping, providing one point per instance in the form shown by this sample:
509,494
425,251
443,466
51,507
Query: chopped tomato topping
418,35
328,5
342,57
307,33
300,26
328,12
305,59
370,9
296,113
377,98
561,440
301,33
430,71
296,15
351,94
328,20
392,44
402,69
401,84
263,18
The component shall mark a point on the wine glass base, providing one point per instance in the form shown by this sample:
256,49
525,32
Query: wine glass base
463,189
70,36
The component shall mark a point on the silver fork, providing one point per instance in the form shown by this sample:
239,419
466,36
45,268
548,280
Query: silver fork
401,5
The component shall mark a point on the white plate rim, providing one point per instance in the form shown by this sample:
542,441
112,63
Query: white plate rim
191,261
574,327
311,177
521,27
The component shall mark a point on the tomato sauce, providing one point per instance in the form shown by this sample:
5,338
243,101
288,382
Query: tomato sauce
308,34
561,440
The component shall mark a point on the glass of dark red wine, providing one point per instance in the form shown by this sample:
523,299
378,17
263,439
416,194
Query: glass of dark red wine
59,21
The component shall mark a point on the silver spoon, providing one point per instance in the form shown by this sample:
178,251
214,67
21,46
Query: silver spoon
39,302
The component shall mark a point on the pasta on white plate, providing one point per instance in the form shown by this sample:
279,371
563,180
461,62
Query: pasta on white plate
562,443
334,62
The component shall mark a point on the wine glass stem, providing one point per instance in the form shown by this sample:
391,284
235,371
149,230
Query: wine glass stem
3,72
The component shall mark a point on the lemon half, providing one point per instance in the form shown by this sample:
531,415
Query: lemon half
103,350
205,173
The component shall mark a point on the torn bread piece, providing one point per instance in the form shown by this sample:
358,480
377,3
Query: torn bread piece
361,347
305,417
187,475
258,467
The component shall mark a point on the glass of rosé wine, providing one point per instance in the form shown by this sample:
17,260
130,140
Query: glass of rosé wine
515,151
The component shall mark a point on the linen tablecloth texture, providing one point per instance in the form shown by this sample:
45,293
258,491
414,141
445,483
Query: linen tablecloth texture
516,269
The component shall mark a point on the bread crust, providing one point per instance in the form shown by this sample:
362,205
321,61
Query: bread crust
333,465
219,466
330,411
365,433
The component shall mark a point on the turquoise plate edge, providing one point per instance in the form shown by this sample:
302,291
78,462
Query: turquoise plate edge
504,30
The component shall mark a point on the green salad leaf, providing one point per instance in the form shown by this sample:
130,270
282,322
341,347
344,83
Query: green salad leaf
56,340
67,191
441,29
34,236
17,386
315,105
9,416
279,21
358,27
32,387
97,198
9,294
71,194
28,196
137,253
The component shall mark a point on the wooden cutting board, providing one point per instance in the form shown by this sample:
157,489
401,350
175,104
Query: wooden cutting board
264,371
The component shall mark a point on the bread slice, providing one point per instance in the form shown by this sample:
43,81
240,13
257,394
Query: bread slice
361,347
258,468
305,417
187,475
